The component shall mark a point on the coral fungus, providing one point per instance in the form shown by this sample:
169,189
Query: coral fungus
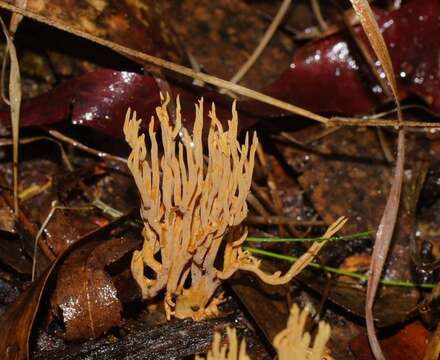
232,351
293,342
191,208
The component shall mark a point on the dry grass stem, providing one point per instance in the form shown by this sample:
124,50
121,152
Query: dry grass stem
341,121
183,70
222,84
316,8
87,149
14,104
388,221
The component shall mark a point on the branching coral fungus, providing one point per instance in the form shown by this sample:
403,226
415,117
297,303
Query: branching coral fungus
189,207
232,351
294,343
291,343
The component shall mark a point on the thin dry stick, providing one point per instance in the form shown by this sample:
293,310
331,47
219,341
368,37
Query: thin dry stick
263,42
208,78
35,190
303,143
14,91
318,14
385,146
241,90
5,142
341,121
195,66
101,154
281,220
40,232
386,227
54,207
363,49
256,204
16,18
404,107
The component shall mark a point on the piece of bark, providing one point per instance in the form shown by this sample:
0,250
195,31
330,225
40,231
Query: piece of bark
177,339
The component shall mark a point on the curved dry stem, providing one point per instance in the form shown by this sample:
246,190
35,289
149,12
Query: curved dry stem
316,8
263,42
386,227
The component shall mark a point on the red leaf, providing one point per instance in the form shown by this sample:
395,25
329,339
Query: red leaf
329,75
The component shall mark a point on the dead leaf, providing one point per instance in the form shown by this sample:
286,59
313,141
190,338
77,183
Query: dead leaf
18,320
409,343
85,296
433,350
11,254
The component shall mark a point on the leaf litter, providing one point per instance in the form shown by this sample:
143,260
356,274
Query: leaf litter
336,167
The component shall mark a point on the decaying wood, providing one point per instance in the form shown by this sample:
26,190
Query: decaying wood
174,340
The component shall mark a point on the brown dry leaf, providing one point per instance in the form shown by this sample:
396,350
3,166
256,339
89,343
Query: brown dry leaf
18,320
85,295
387,311
386,227
266,304
409,343
65,227
11,254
